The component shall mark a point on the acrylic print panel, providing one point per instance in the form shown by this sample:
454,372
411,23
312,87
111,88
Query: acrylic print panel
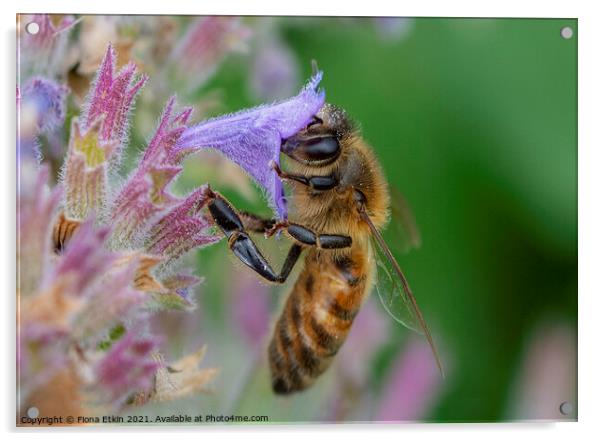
418,181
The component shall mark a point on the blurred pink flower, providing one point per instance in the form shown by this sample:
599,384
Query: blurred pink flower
38,206
205,45
128,366
547,376
41,353
47,30
369,332
85,259
250,308
412,386
43,52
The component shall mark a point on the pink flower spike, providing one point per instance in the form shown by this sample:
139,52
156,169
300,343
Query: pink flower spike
252,138
112,97
145,192
128,367
183,228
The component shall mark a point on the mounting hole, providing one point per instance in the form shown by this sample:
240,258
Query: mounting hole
32,28
566,32
33,412
566,408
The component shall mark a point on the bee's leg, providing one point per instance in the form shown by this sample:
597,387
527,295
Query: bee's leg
306,236
242,245
314,182
255,223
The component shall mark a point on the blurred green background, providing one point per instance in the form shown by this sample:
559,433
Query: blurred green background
475,121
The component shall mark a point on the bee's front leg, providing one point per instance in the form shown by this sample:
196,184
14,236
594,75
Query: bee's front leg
242,245
306,236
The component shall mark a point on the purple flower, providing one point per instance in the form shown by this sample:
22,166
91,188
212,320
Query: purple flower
41,108
111,98
183,228
43,104
128,366
412,386
252,138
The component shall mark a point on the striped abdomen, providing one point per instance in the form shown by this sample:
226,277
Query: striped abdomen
317,318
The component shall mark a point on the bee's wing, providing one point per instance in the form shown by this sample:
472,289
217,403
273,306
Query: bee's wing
394,290
402,232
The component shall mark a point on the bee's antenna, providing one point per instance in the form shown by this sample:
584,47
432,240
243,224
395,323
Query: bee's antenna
314,67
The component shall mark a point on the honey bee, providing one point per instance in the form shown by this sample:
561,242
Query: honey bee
339,202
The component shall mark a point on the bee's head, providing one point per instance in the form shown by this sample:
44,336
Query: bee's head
318,144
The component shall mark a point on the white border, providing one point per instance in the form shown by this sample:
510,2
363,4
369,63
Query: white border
590,145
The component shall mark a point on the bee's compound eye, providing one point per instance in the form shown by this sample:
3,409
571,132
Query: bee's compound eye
314,150
319,149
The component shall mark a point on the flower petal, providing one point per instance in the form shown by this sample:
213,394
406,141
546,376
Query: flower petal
145,193
85,174
182,378
252,138
111,98
183,228
128,367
